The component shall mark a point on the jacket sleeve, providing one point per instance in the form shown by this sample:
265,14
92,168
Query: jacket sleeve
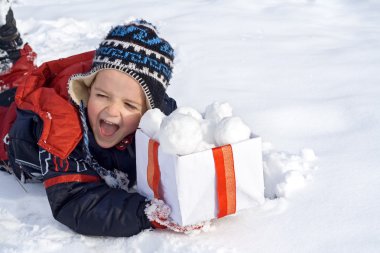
23,148
78,197
82,201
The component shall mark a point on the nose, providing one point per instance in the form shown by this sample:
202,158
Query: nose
114,109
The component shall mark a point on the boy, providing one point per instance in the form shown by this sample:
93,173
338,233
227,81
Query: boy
88,172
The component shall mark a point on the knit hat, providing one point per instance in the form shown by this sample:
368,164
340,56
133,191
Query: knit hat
136,50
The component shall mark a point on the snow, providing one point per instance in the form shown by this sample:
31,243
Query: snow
185,131
4,8
151,121
286,173
180,134
216,111
303,74
231,130
186,110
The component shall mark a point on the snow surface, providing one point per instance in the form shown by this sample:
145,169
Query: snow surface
302,73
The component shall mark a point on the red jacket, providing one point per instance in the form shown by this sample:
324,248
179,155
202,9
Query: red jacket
43,90
17,75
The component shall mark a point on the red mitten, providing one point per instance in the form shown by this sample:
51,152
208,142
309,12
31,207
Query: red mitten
158,214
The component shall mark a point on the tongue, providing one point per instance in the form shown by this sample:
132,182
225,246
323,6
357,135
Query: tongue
108,129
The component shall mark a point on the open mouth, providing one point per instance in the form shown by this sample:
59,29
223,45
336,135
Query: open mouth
108,128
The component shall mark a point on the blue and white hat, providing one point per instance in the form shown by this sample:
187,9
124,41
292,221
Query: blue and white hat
134,49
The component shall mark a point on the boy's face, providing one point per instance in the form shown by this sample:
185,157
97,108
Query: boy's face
115,107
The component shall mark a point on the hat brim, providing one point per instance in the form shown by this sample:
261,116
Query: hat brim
79,86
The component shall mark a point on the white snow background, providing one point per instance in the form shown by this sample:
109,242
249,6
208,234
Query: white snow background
301,73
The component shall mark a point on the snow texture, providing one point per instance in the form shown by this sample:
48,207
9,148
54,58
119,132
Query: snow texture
4,8
285,173
301,73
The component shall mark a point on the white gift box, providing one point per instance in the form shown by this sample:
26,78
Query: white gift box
188,183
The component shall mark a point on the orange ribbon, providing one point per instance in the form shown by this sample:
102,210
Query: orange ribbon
225,180
153,170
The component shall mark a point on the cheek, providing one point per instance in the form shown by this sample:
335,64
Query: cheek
92,112
132,122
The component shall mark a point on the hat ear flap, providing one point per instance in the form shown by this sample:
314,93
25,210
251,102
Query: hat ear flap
79,87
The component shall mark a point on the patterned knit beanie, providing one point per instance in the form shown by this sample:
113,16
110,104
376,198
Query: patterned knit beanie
136,50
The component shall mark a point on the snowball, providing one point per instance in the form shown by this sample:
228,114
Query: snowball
217,111
208,129
185,131
231,130
188,111
151,121
180,134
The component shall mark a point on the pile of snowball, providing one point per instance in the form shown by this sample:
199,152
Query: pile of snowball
187,131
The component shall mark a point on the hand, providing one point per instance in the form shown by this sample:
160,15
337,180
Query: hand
158,214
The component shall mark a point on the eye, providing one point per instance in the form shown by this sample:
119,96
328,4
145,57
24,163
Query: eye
131,106
100,95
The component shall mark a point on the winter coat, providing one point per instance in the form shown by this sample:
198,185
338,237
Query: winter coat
78,196
8,84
